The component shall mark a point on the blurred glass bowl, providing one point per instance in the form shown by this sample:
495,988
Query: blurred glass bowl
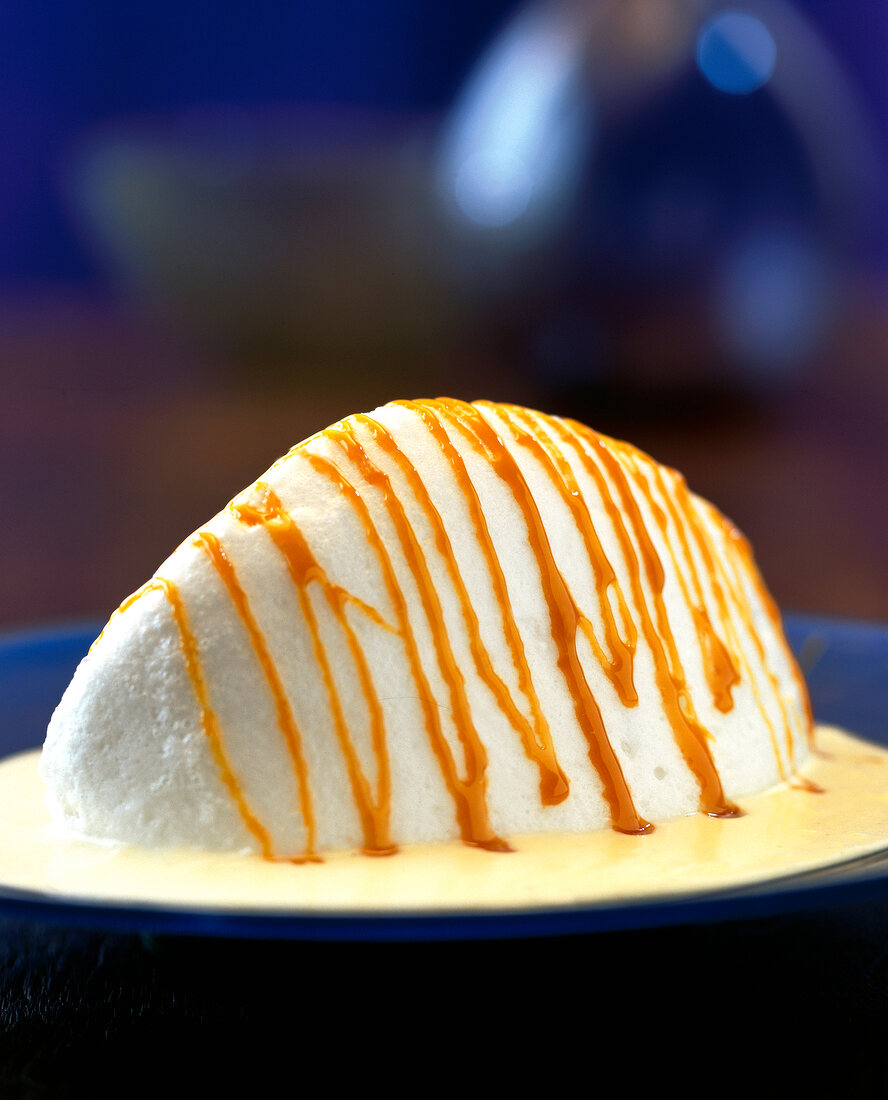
295,235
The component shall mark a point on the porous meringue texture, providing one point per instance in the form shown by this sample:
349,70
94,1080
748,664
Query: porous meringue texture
438,621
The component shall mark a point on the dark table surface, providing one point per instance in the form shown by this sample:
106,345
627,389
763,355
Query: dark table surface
116,440
792,1002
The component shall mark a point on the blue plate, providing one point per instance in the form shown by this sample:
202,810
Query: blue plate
846,665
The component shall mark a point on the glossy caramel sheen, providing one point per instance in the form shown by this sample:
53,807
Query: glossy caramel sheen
623,478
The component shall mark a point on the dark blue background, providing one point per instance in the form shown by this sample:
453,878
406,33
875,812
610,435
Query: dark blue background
66,66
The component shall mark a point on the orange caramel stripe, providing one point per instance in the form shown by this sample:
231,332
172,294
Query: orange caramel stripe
563,613
618,665
265,510
743,556
744,550
536,739
719,664
723,588
286,723
498,584
470,793
750,570
691,737
208,720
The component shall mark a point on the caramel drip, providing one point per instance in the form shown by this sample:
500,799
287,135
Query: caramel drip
265,510
214,550
565,617
722,586
716,566
743,559
691,737
617,666
154,585
536,739
802,783
149,586
744,552
208,720
469,792
498,582
718,663
797,781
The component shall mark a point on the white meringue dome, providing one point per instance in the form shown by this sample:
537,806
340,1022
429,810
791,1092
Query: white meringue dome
437,621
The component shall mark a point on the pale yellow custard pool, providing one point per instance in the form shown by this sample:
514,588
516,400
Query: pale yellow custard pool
786,831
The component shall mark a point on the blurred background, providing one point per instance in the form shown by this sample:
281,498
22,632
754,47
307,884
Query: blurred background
223,226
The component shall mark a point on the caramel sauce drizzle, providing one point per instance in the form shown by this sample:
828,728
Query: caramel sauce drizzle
211,545
689,525
469,791
692,738
265,510
744,553
564,615
536,737
208,720
722,586
560,789
718,664
618,473
619,665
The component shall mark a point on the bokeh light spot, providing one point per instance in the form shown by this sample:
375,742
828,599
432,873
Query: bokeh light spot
773,300
493,188
736,52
